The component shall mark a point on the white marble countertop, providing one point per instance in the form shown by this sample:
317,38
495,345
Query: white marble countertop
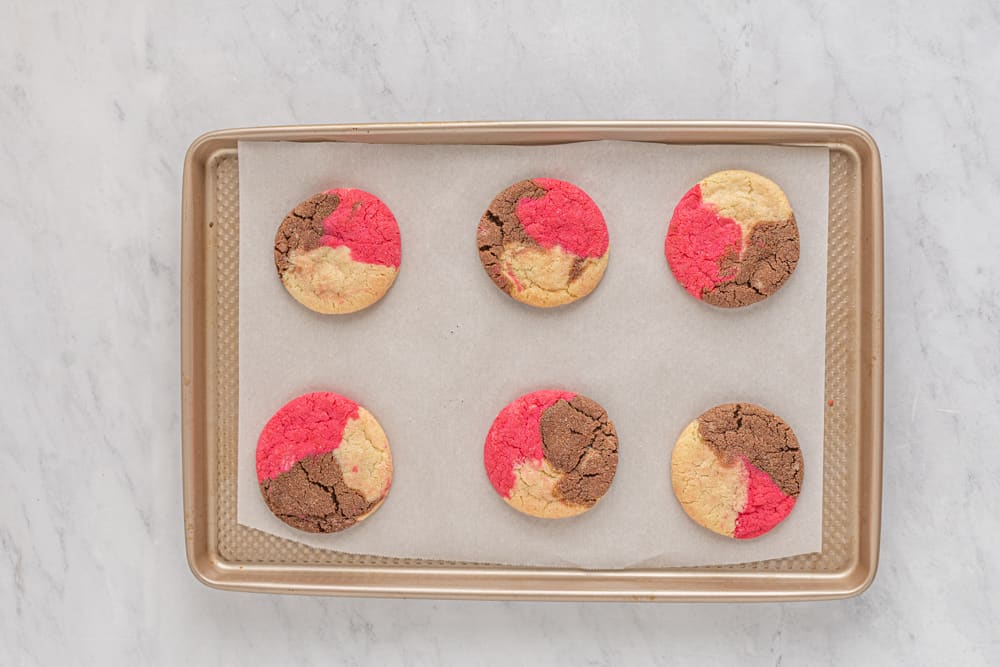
98,102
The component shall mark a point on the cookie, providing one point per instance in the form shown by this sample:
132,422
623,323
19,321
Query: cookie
338,251
733,240
551,454
737,470
323,463
543,242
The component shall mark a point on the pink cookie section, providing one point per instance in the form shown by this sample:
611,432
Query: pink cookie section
516,436
696,240
365,225
309,425
564,217
766,507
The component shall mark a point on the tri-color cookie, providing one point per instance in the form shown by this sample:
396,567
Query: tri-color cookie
551,454
544,242
338,251
733,240
323,463
737,470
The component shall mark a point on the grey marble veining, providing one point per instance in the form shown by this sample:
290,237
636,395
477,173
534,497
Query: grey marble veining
98,102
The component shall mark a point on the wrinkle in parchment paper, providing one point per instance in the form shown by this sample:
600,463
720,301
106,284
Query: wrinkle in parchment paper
445,350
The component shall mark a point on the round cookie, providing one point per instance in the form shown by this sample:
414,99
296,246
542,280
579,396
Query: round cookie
551,454
323,463
737,470
733,240
338,251
544,242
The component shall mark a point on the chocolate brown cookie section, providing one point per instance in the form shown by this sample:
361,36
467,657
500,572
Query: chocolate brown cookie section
500,225
313,497
769,257
302,228
580,441
767,442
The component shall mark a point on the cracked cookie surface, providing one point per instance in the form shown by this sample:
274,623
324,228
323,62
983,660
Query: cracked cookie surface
733,239
544,242
737,470
551,454
323,463
338,251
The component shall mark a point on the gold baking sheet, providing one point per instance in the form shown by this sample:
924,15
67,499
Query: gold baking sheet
225,554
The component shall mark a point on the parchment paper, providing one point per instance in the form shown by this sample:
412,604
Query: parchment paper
445,350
